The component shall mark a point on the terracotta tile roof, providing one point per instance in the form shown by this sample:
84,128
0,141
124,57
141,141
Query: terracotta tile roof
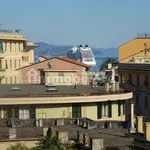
64,58
43,57
74,61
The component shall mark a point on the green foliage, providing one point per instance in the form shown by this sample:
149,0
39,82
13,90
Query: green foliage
105,63
44,143
18,147
47,143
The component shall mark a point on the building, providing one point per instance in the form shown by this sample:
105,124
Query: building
39,101
56,70
15,52
134,70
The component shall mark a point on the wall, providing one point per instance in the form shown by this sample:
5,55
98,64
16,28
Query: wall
89,110
13,53
141,91
56,64
52,111
29,144
131,48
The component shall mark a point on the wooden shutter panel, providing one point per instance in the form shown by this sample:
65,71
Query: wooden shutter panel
99,110
109,109
32,112
16,112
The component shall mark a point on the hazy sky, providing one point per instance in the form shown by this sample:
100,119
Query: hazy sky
99,23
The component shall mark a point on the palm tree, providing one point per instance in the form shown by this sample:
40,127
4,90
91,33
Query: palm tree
107,61
17,147
50,143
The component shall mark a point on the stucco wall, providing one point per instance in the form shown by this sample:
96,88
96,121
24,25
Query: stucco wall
52,111
56,64
89,110
131,48
29,144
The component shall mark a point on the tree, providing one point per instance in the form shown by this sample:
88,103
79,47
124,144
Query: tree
105,63
50,143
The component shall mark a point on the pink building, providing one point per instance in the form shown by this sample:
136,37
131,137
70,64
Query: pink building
57,70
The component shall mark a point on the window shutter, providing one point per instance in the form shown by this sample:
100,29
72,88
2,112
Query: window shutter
1,46
99,110
119,109
32,112
16,112
109,109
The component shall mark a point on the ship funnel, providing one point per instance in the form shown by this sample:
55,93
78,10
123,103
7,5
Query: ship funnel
86,46
80,45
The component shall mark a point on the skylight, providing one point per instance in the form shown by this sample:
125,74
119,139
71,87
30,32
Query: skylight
15,89
52,89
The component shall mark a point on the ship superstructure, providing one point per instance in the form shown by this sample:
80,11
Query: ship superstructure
84,54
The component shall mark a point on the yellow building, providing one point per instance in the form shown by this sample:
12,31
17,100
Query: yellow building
134,70
15,52
39,101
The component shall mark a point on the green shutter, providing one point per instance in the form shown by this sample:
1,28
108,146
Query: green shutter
99,110
16,112
109,109
119,108
32,112
1,46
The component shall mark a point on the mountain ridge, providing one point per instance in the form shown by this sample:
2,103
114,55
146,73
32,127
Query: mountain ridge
46,49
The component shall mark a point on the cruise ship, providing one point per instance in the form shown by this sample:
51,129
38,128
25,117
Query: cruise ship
84,54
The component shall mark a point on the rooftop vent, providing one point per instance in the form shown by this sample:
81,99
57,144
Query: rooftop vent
51,90
15,89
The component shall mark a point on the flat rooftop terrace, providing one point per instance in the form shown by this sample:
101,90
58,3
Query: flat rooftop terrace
112,137
21,90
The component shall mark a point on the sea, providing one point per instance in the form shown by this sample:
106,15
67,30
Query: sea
99,61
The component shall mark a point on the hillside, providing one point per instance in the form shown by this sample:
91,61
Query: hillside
46,49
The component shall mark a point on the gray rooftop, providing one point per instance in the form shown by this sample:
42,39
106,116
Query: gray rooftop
21,90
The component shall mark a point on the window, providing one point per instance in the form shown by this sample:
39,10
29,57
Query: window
137,100
6,65
104,110
76,110
146,103
19,63
15,63
10,47
15,80
61,74
121,108
5,80
11,64
138,80
129,79
10,80
99,110
121,78
146,83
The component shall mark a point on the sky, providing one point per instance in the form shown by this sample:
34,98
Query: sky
98,23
